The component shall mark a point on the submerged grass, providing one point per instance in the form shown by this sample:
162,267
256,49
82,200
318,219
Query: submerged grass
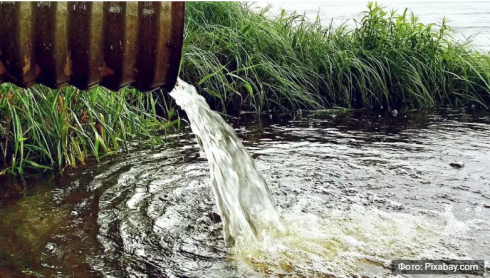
241,58
50,129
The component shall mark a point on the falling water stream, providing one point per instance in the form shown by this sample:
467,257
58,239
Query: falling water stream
243,198
325,194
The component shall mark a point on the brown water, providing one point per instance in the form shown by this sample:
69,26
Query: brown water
358,188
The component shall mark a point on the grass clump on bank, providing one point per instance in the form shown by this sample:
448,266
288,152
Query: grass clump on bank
51,129
243,59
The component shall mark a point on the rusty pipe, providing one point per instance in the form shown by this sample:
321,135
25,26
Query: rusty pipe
85,44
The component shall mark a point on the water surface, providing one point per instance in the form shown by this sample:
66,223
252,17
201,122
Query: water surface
467,18
356,189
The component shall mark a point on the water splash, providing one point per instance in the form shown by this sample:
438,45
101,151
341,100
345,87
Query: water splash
331,242
243,198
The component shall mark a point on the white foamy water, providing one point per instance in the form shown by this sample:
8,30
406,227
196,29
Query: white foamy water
362,239
242,196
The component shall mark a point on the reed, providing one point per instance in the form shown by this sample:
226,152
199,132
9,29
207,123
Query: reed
43,128
241,58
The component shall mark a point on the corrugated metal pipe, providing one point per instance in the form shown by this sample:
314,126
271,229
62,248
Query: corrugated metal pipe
85,44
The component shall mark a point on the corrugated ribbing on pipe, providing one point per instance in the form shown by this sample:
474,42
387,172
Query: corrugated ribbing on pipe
112,44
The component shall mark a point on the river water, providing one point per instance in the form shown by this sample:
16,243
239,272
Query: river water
466,17
357,189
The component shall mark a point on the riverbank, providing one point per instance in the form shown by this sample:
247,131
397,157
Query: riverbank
242,59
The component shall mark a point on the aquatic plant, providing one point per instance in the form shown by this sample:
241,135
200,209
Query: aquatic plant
241,58
50,129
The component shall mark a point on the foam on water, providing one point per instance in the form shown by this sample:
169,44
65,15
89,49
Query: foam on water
338,242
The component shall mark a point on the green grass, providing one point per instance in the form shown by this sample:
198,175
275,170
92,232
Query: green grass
43,128
241,59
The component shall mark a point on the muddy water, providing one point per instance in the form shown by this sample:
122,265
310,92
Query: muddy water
356,189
